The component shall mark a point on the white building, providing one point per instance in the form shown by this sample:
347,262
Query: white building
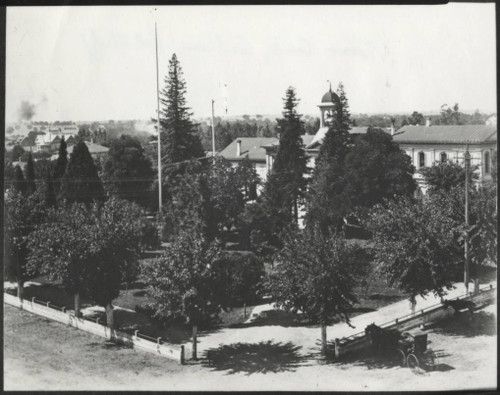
431,144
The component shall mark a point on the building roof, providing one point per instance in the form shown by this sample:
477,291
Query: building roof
94,149
320,134
446,134
254,147
330,97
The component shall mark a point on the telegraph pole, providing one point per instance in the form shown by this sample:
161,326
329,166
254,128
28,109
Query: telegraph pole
466,239
213,130
158,125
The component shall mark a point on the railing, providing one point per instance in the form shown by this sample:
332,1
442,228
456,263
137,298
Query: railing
400,320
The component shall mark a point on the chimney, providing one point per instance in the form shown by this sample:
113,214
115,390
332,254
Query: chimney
238,147
427,122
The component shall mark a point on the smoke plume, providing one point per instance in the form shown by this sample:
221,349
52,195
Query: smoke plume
26,110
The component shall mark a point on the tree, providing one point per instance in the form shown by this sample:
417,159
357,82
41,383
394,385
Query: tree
209,200
416,118
327,202
247,179
90,250
375,169
179,140
444,176
115,245
60,249
30,176
343,114
17,152
415,245
450,116
184,283
21,215
49,192
81,182
60,166
19,183
128,171
290,164
315,275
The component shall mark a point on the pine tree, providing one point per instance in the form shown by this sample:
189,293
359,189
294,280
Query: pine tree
328,201
60,166
19,183
50,195
343,112
81,182
30,175
179,138
290,165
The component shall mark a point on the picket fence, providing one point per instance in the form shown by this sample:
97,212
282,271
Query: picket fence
139,341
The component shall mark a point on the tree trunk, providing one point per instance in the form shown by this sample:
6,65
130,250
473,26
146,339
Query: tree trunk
110,316
77,304
324,348
413,303
20,289
476,286
194,354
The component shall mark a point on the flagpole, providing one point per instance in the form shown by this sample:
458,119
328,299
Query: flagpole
213,130
158,125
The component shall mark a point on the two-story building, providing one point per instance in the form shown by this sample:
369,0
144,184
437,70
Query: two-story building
431,144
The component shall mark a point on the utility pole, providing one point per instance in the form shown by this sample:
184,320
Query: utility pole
158,125
213,130
466,239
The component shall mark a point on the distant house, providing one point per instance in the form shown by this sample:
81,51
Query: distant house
96,151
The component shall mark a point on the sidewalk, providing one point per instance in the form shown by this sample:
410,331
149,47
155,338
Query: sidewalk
308,338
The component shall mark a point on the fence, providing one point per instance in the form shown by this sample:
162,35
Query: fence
437,311
59,314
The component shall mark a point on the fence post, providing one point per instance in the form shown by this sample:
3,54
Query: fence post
182,355
33,300
396,321
337,348
48,304
136,332
158,340
97,320
491,286
63,309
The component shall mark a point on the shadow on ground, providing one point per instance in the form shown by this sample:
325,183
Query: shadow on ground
249,358
478,324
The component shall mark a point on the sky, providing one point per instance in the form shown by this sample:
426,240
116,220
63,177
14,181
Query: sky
98,62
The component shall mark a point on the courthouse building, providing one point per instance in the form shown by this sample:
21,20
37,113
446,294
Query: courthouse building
426,145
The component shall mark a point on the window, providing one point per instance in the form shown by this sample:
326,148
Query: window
486,162
443,157
421,159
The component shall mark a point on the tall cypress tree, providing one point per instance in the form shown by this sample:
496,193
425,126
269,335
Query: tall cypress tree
328,202
286,184
60,166
19,183
30,175
50,195
178,133
81,182
343,112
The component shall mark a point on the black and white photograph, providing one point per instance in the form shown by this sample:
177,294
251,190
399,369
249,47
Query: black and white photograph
250,197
